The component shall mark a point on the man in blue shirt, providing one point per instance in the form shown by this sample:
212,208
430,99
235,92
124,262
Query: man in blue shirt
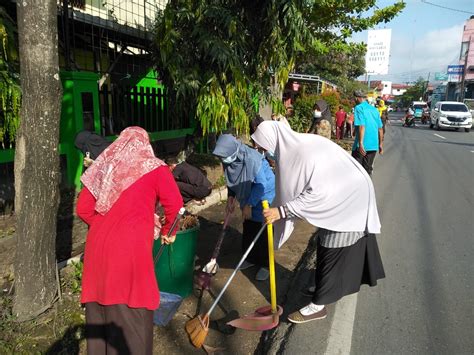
369,132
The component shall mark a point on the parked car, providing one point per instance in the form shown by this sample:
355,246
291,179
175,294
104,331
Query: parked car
451,114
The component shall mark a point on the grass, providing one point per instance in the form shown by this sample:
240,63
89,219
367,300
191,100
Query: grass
220,182
58,331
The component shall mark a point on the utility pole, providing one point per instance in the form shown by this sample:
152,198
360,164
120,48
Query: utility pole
464,71
425,92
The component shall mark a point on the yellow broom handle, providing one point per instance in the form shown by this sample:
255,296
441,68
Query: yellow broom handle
271,262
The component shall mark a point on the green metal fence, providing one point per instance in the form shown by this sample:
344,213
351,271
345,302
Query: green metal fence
83,107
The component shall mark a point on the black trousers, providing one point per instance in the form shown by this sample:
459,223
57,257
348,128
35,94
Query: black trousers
259,253
190,192
366,161
118,329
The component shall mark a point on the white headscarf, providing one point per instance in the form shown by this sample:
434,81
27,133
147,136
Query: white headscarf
318,181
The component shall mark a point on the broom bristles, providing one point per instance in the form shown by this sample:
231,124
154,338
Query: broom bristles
197,329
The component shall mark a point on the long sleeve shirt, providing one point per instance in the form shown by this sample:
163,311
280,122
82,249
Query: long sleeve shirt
118,261
263,188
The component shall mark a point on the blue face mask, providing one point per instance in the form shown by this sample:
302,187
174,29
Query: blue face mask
230,159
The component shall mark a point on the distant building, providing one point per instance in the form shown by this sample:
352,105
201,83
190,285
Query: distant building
399,89
386,89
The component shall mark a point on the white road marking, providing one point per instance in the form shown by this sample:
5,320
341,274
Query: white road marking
340,334
472,151
437,135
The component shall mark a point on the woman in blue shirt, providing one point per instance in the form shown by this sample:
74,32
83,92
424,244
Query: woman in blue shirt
250,180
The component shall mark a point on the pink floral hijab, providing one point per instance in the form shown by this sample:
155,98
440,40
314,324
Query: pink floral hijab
121,164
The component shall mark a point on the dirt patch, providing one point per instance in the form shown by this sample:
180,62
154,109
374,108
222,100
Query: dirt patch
58,331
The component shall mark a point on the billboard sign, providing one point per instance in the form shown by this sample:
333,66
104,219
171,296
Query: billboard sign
454,78
455,69
378,52
441,76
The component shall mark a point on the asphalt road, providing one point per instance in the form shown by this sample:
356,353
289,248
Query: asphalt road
425,191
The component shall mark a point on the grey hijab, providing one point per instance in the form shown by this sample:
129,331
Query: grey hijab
241,173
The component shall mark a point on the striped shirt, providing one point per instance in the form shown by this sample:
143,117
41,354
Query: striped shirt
327,238
332,239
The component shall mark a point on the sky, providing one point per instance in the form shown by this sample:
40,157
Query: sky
425,38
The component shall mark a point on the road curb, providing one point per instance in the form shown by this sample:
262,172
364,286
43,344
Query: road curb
273,341
216,196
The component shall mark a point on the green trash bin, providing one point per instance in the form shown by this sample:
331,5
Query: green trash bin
175,269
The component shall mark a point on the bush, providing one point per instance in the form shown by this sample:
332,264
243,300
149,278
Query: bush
303,113
303,108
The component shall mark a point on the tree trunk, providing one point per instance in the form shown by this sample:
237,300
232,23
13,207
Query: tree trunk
37,159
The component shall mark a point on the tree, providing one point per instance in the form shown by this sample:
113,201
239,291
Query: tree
333,22
216,56
413,93
334,65
37,159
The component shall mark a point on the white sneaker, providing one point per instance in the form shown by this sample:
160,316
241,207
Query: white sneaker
262,274
245,265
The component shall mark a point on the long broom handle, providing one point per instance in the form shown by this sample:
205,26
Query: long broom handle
247,252
176,220
217,248
271,261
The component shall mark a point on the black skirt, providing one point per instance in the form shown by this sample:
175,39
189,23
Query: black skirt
341,271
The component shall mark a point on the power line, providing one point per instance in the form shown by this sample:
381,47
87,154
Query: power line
446,8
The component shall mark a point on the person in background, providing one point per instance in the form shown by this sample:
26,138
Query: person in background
253,127
328,189
91,145
340,122
369,133
383,111
350,124
321,119
192,183
290,111
119,288
257,120
250,180
409,113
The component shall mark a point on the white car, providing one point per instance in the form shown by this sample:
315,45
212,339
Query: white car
451,114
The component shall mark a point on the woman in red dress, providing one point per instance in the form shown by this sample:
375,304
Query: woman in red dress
119,288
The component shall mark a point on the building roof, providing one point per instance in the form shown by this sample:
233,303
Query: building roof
400,86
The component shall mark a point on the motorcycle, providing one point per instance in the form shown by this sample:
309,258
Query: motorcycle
409,121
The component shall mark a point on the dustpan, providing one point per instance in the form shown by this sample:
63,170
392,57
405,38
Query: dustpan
267,317
169,304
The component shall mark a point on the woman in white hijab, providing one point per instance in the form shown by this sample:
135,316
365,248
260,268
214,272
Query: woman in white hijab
316,180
